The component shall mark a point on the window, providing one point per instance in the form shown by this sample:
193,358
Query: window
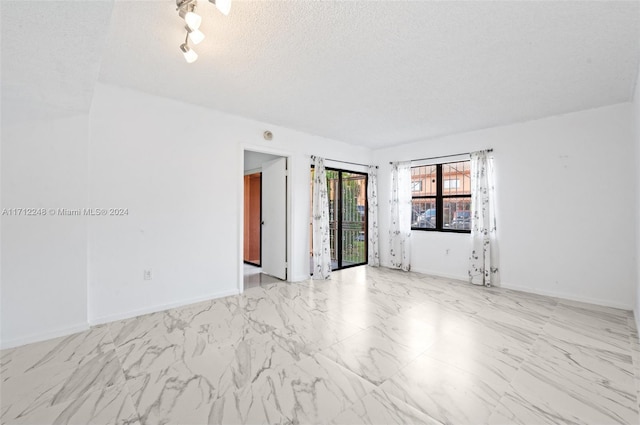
441,197
451,184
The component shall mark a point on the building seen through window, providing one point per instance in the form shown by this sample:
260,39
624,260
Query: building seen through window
441,197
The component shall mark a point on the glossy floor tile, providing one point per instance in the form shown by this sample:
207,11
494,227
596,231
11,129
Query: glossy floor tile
445,392
369,346
253,277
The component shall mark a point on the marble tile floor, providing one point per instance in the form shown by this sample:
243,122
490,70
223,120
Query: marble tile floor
370,346
254,277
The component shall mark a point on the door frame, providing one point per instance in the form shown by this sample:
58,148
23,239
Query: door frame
240,206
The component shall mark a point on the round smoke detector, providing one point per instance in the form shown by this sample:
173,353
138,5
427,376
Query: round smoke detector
267,135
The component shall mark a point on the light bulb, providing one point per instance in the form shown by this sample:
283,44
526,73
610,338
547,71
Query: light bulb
196,36
193,20
189,55
224,6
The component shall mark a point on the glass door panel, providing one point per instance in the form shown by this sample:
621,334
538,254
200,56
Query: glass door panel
353,223
347,193
333,189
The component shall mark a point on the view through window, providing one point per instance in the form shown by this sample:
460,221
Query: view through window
441,197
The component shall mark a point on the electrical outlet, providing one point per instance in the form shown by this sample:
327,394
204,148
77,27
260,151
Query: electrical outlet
147,275
446,251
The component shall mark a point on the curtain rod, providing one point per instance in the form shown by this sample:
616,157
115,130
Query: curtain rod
344,162
444,156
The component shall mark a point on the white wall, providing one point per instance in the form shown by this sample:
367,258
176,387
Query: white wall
636,124
565,200
178,168
44,258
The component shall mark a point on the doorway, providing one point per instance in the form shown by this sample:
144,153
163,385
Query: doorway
265,219
348,216
252,219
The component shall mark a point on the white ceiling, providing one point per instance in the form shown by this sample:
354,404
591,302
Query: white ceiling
365,72
51,53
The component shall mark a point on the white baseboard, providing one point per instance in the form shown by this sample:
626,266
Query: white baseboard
80,327
604,303
437,274
161,307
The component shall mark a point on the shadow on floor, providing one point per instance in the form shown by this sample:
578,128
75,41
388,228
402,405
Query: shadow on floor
253,277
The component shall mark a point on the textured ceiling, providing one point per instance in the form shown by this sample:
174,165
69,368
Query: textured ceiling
51,54
366,72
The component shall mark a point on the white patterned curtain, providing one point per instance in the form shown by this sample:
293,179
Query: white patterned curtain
321,242
400,226
483,261
372,225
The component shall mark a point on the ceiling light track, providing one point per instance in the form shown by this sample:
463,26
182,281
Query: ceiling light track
186,10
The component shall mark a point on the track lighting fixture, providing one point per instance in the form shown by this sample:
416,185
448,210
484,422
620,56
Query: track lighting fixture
189,55
224,6
192,19
196,36
186,10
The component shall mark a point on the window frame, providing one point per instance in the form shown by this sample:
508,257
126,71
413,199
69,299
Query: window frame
439,199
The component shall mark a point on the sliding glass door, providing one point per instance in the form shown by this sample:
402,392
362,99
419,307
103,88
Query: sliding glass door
347,192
